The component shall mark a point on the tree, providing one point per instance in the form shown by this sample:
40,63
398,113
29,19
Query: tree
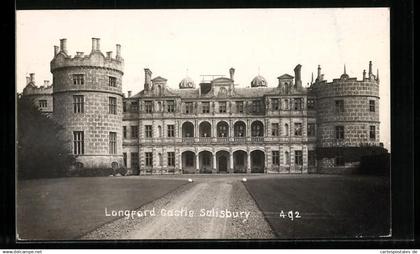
40,151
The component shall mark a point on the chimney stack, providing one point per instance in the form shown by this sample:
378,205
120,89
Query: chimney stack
118,46
298,80
63,45
32,77
46,83
370,69
93,44
129,94
109,54
147,79
56,50
319,73
98,44
364,74
232,73
28,79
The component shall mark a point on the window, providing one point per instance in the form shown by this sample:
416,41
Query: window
339,132
134,160
276,158
78,103
78,79
149,159
339,106
112,81
171,131
298,104
222,107
134,106
124,131
171,159
135,131
42,103
148,131
286,154
257,106
298,129
286,129
159,131
298,158
372,132
125,159
222,130
274,129
170,106
113,105
311,104
275,104
78,142
257,130
112,143
286,104
311,158
148,106
240,106
311,129
124,106
339,161
372,106
205,107
189,107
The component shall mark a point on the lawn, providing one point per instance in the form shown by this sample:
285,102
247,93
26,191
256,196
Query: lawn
329,206
66,208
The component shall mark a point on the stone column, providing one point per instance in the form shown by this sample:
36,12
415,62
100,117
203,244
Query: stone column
197,163
180,162
231,162
248,164
214,164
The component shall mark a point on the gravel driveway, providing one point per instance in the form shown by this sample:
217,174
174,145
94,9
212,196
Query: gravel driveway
212,207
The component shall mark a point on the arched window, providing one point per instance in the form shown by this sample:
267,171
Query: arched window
160,131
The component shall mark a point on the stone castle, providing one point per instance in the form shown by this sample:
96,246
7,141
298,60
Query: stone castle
212,127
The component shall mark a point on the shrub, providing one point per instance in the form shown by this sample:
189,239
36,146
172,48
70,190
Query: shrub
94,172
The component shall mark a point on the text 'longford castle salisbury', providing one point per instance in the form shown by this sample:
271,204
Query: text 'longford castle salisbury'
213,127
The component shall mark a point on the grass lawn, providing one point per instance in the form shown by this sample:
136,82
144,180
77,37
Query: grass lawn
330,206
66,208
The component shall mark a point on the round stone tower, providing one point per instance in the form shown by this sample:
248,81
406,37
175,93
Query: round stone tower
348,119
87,98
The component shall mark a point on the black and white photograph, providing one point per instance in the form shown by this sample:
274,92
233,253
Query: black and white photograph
210,124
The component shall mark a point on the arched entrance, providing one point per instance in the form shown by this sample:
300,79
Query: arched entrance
206,162
240,161
187,130
222,160
257,161
205,129
188,162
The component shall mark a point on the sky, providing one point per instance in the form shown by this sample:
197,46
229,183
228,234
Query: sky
179,43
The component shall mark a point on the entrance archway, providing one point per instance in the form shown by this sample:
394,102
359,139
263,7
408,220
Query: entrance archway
257,161
240,161
223,161
188,162
206,162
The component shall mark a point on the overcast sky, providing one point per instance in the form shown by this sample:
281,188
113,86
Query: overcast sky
177,43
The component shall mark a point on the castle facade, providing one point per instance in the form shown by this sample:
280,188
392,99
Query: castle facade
213,126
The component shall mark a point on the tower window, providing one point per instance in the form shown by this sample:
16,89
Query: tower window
148,131
135,131
339,132
149,159
339,106
311,104
276,158
78,79
42,103
112,143
298,129
112,81
113,105
298,158
372,106
78,103
171,159
78,142
170,106
205,107
372,132
222,107
171,131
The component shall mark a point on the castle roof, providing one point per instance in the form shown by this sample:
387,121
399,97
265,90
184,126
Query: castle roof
285,76
259,81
